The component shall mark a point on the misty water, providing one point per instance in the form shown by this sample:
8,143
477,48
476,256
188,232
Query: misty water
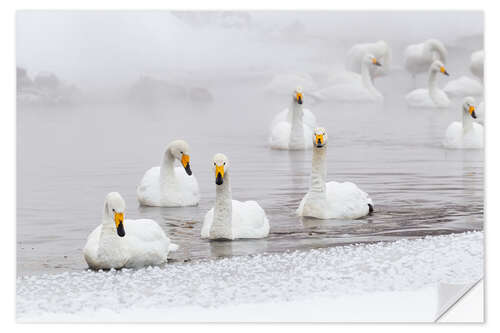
70,156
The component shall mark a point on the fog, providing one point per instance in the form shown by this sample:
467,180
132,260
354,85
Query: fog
104,51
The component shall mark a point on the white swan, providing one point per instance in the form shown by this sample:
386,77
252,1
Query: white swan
465,134
331,200
168,185
232,219
119,243
418,57
360,91
433,97
463,86
477,64
292,128
379,50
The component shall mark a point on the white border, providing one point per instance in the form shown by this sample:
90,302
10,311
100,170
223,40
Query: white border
7,141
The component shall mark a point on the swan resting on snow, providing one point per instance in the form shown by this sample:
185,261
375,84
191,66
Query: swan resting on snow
379,50
119,243
168,185
433,97
465,134
331,200
232,219
292,127
418,57
477,64
354,90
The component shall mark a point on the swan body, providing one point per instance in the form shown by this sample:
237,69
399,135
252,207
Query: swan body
119,243
292,128
463,86
465,134
352,88
418,57
331,200
433,97
477,64
169,185
379,50
232,219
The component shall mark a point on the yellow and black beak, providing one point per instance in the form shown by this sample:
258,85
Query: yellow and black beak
119,224
376,63
219,174
319,140
472,112
443,70
185,164
299,98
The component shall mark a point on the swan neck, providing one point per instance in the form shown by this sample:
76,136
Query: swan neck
223,210
297,130
466,121
167,168
432,80
318,173
366,76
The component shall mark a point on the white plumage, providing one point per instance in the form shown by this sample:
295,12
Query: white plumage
477,64
465,134
433,97
292,128
232,219
169,185
418,57
331,200
123,243
379,50
463,86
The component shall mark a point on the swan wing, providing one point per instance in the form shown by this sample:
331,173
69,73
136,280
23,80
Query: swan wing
249,220
419,98
91,247
464,86
280,135
148,191
346,200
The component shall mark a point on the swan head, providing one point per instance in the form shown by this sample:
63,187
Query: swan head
114,208
371,60
220,167
179,149
438,66
469,106
320,138
298,96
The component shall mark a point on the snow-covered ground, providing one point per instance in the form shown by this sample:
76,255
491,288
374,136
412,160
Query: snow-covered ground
406,280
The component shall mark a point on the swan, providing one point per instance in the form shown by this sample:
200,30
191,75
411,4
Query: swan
463,86
418,57
292,128
119,243
433,97
466,134
380,50
168,185
232,219
477,64
331,200
361,90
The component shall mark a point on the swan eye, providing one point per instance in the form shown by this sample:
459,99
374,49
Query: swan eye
224,163
114,210
182,152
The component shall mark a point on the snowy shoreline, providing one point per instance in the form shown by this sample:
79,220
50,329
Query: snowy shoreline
323,284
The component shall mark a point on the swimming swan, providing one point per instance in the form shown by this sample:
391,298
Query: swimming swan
433,97
477,64
292,128
331,200
463,86
168,185
465,134
361,90
232,219
418,57
119,243
379,50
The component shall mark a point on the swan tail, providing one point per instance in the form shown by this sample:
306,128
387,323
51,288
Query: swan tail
173,247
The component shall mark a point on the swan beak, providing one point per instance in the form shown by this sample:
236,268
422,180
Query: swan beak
119,224
299,98
319,140
472,112
219,174
376,63
185,164
444,71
